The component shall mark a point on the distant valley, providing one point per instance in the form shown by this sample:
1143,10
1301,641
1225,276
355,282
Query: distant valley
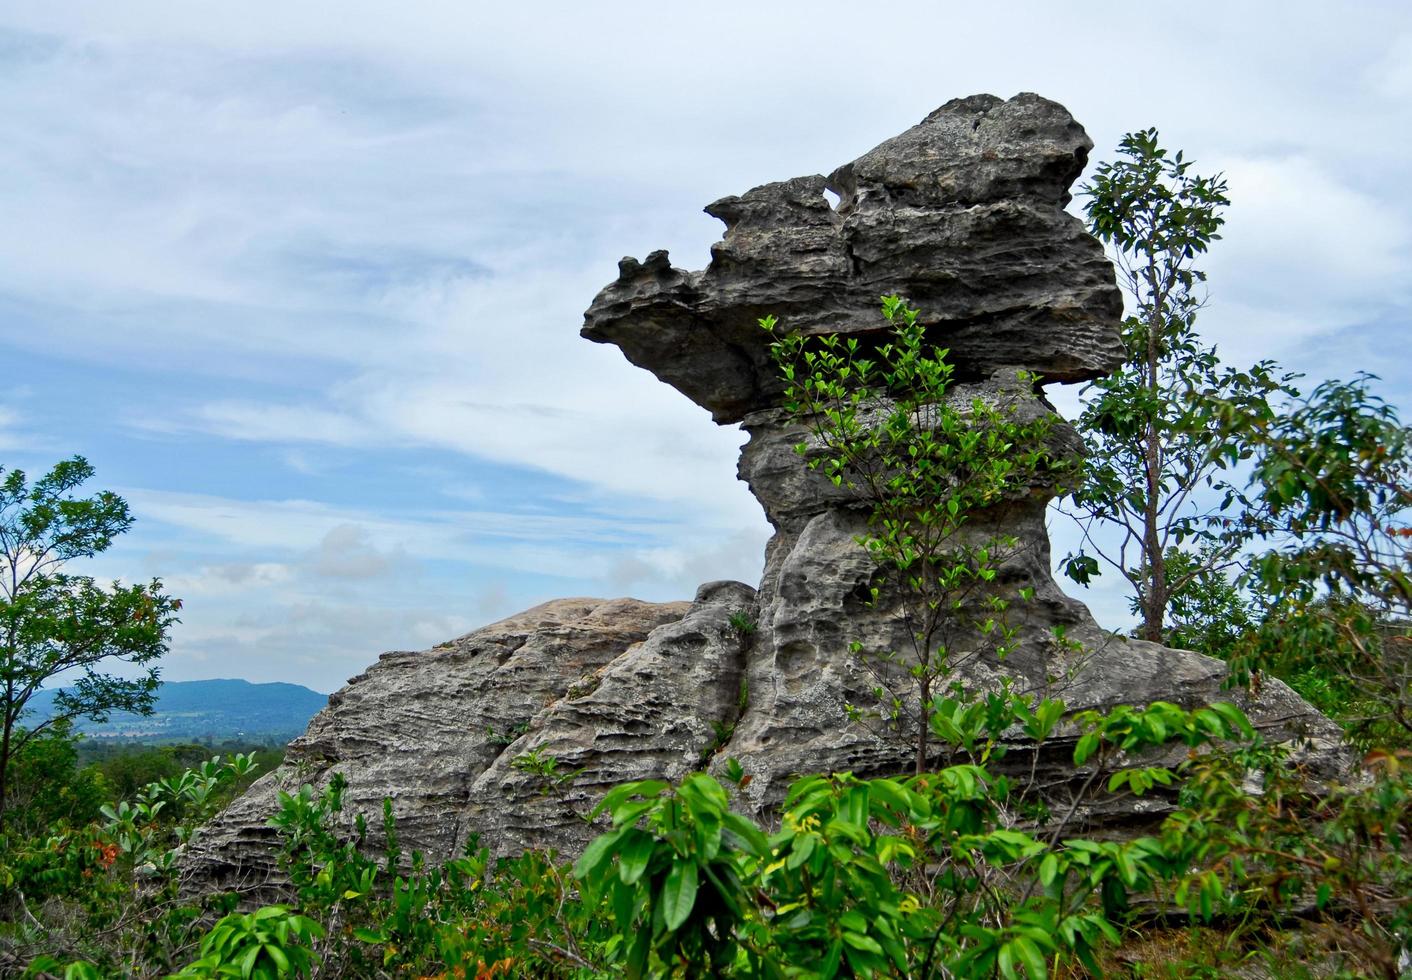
217,710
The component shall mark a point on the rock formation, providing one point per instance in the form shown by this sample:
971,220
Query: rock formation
964,215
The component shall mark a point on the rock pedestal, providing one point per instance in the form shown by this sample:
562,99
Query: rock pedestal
964,216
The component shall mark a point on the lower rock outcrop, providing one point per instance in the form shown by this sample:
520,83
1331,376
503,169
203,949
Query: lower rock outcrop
420,728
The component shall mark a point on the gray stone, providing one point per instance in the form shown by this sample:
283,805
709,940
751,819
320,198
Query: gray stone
962,214
420,727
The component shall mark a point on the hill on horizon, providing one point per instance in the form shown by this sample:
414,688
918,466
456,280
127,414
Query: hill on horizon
215,709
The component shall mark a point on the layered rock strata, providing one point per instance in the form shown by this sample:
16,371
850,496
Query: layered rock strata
964,215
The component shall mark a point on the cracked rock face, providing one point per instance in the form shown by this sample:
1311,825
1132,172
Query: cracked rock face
963,215
421,727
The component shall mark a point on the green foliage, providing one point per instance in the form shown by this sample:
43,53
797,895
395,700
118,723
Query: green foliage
266,944
55,623
514,917
48,790
885,877
507,737
929,875
1157,478
1208,610
884,424
104,894
123,769
1334,473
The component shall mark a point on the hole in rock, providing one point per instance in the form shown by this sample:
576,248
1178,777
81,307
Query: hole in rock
832,197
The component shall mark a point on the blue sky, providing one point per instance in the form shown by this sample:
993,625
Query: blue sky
304,281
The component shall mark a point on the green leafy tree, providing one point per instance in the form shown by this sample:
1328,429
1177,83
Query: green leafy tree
48,788
1210,610
1333,473
54,623
1158,477
887,424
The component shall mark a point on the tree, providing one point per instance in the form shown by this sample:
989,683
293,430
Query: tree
926,464
53,623
1333,473
1211,611
1159,464
49,788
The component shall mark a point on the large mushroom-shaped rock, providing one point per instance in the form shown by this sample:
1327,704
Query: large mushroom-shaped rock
964,215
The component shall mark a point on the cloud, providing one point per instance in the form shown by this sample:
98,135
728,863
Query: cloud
346,552
539,543
254,422
320,641
10,435
1304,252
228,578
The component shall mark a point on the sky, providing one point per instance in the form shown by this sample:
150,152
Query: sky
304,281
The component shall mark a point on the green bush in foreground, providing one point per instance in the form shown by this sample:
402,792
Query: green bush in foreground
924,876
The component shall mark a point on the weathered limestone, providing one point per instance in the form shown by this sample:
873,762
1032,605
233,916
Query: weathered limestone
962,214
420,727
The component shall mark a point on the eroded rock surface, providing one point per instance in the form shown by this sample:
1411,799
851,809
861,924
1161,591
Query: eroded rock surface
962,214
421,727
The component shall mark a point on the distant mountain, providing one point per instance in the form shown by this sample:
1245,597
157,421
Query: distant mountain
219,709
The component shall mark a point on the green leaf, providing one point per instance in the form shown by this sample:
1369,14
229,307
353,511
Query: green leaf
1048,869
679,893
750,835
799,853
1005,960
634,856
859,941
247,962
1085,747
1033,959
598,851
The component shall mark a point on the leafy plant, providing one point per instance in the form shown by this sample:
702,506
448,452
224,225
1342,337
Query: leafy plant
1157,477
919,876
54,623
742,623
269,943
887,425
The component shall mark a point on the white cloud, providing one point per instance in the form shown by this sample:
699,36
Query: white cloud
1297,236
254,422
346,552
528,542
228,578
10,437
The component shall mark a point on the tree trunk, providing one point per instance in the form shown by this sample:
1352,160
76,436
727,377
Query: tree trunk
4,768
924,691
1154,598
